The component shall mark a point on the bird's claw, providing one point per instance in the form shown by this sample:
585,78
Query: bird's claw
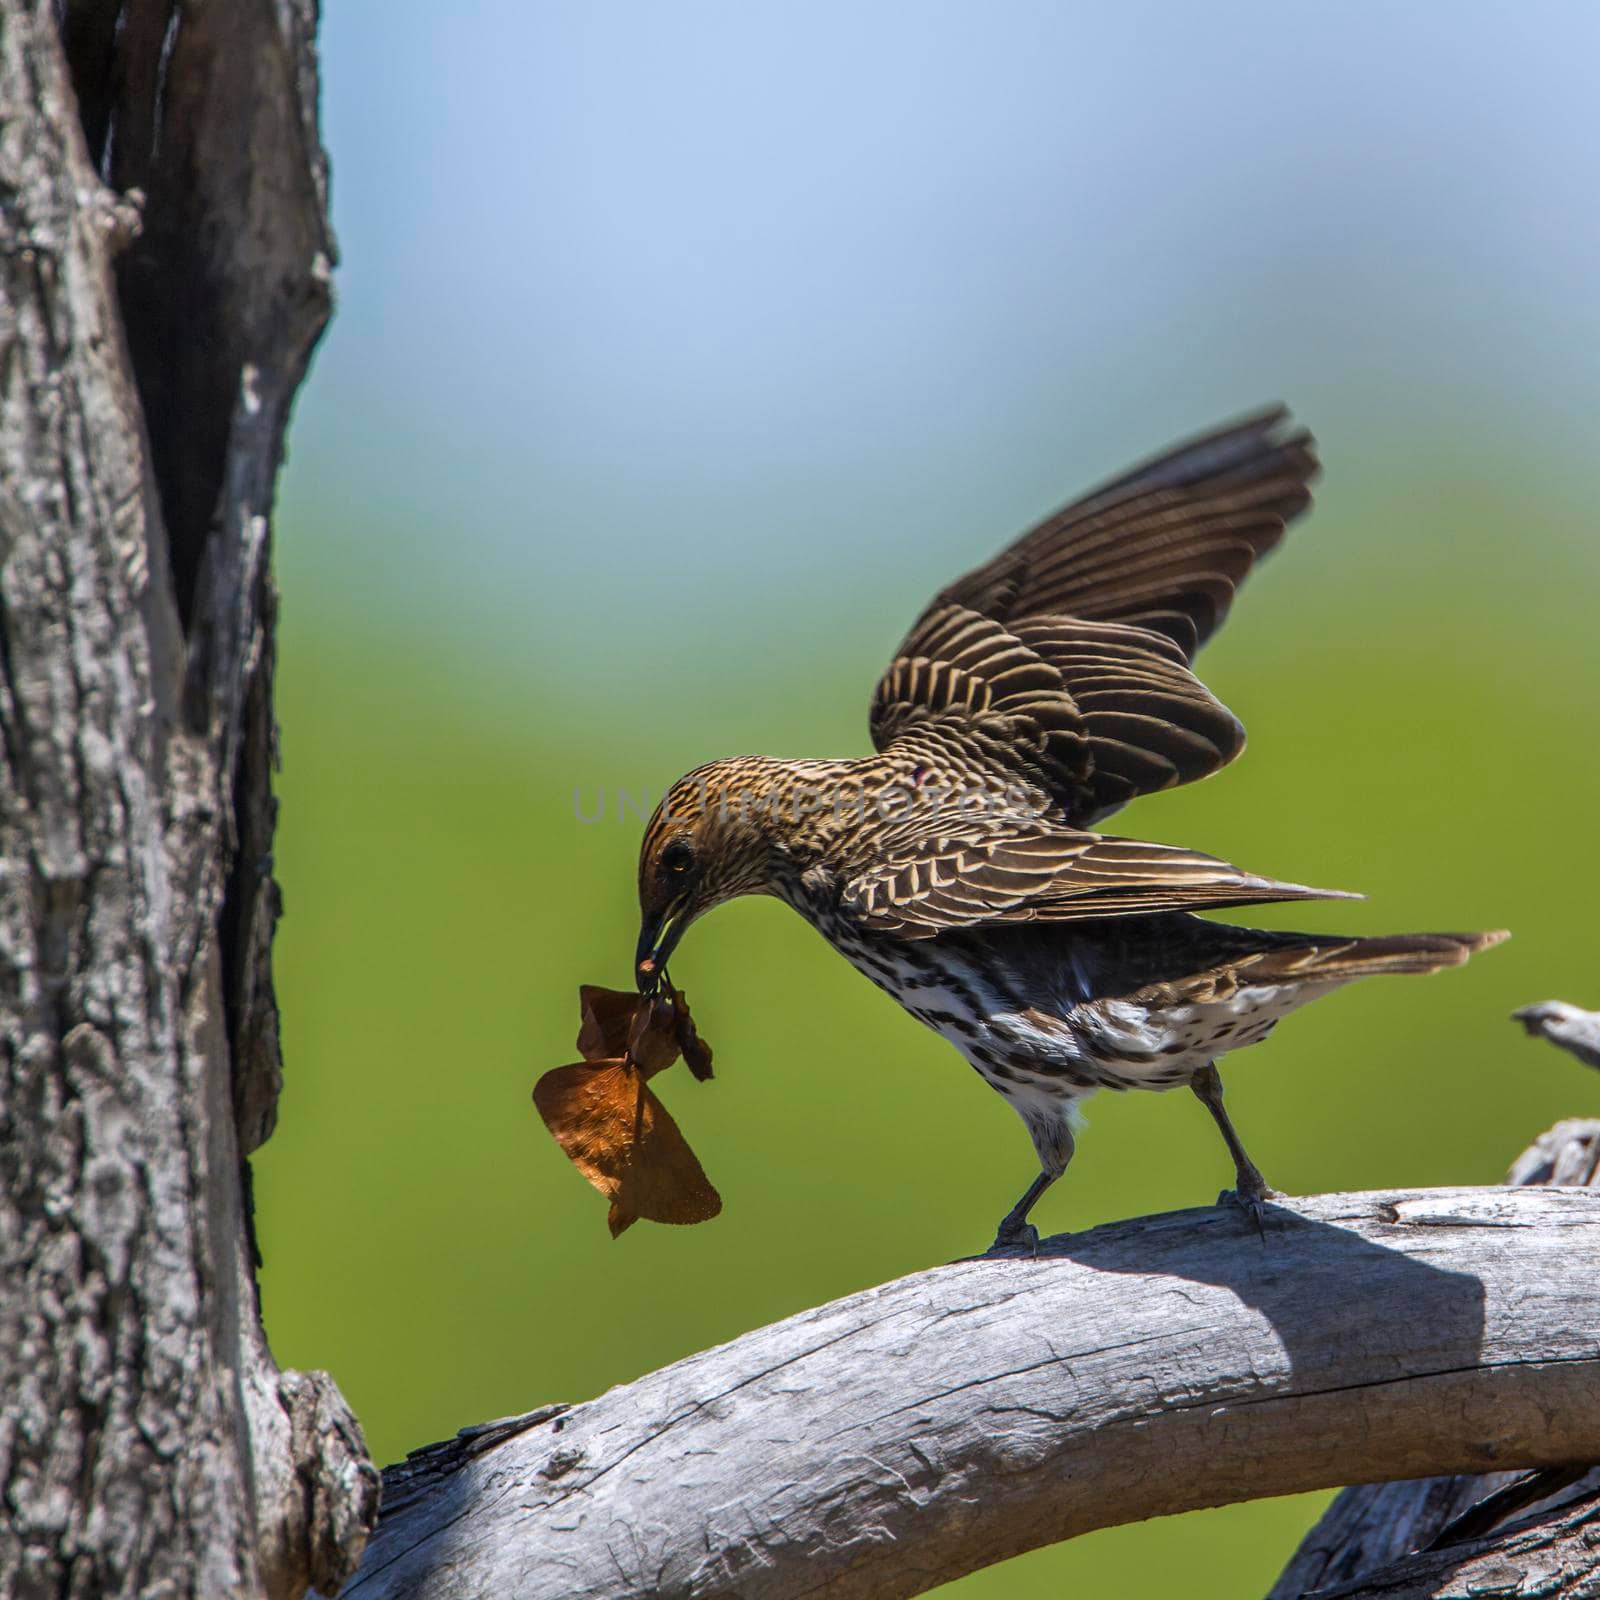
1014,1238
1253,1202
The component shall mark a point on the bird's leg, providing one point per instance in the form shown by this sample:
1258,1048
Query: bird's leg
1052,1135
1250,1188
1052,1138
1015,1231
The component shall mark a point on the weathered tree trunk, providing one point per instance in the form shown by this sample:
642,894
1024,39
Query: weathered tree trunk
148,1444
899,1438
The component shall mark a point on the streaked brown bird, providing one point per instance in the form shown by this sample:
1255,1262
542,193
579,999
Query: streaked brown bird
956,867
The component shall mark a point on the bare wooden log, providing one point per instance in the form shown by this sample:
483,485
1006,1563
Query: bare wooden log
1364,1538
901,1437
148,1443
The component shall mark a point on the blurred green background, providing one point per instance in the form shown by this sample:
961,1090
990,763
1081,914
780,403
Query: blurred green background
683,352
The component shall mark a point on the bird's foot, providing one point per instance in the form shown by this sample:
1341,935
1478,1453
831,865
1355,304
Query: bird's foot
1014,1238
1252,1200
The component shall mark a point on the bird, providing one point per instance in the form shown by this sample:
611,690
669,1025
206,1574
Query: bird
961,867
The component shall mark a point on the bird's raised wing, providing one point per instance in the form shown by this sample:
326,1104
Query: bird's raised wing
1064,661
933,877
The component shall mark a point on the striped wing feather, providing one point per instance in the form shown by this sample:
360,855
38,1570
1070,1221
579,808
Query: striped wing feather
1165,545
1064,661
986,874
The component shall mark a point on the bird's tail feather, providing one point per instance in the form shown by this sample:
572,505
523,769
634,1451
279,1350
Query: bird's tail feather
1310,958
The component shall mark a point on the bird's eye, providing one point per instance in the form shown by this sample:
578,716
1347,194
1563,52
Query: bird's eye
677,859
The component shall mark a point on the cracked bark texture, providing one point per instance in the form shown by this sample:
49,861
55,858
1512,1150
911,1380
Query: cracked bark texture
164,275
1474,1534
897,1439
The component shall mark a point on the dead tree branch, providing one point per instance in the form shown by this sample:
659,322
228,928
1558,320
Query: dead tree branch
897,1439
1470,1525
1566,1027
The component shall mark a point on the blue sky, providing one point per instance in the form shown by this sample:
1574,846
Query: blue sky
726,312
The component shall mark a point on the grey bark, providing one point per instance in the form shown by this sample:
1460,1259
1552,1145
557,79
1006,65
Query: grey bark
1548,1547
1566,1027
148,1443
1490,1524
901,1437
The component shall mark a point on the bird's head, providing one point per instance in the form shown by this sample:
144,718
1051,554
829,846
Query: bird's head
711,839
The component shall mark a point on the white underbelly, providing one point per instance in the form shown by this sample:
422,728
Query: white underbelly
1161,1049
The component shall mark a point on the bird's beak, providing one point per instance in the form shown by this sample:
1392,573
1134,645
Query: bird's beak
658,938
